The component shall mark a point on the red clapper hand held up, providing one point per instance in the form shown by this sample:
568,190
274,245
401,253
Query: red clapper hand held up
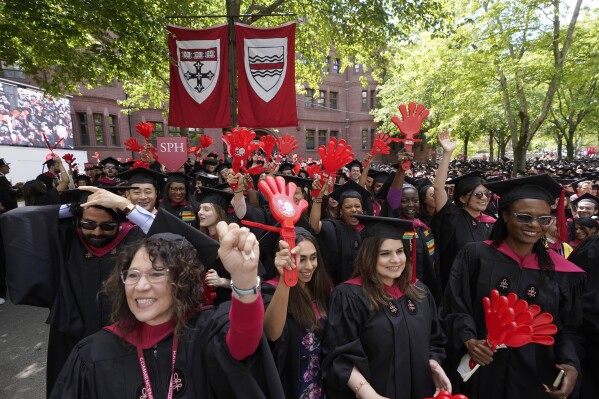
286,144
69,159
285,211
240,147
381,143
409,126
268,143
334,156
512,323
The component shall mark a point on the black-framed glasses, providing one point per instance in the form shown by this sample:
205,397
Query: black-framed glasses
132,276
91,225
176,189
525,218
109,167
480,194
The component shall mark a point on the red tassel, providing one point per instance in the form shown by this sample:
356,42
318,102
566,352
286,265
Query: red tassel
562,226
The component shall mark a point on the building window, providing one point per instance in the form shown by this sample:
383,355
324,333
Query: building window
321,98
327,62
356,67
373,100
112,128
83,128
364,139
336,65
322,137
99,128
333,133
157,132
309,98
333,100
174,131
364,100
310,145
372,134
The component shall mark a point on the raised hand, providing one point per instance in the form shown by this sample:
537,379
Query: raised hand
446,142
412,117
239,253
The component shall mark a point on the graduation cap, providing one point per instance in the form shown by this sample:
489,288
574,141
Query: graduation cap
212,155
586,197
467,179
125,166
178,177
353,163
142,176
350,189
109,160
575,183
299,181
206,178
210,161
211,195
207,247
378,176
87,181
286,166
221,166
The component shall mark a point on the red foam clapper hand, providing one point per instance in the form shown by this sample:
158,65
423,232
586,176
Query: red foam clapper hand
69,159
131,144
412,117
285,211
381,143
240,147
334,156
268,142
286,144
205,141
145,129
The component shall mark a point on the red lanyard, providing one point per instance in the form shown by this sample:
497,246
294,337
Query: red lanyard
146,376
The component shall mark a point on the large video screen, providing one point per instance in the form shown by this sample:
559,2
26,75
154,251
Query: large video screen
29,117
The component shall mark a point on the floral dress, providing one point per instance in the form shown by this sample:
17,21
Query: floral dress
310,384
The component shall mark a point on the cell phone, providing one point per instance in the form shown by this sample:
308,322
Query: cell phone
558,380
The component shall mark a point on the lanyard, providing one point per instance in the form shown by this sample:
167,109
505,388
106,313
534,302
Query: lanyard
146,376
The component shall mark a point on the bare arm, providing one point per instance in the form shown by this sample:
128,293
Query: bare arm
441,176
276,313
316,211
366,167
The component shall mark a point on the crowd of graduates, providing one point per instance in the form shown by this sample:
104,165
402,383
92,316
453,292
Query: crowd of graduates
156,287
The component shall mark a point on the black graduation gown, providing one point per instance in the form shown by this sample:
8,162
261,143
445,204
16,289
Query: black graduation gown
453,228
515,373
286,349
586,257
427,261
50,267
339,243
391,347
105,366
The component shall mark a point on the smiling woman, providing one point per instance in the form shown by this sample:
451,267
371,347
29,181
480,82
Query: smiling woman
517,261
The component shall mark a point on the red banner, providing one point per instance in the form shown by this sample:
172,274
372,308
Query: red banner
199,80
172,152
266,70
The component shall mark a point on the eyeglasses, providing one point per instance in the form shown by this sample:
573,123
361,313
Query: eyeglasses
91,225
525,218
176,189
109,167
154,276
480,194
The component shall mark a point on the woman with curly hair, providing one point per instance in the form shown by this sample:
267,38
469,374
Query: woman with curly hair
516,260
295,317
383,338
163,342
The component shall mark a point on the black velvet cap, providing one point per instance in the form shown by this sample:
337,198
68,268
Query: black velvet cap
587,197
178,177
472,177
299,181
210,161
211,195
378,176
350,189
286,166
353,163
77,196
383,227
167,223
541,187
143,176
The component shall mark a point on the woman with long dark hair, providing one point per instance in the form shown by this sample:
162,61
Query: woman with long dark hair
383,338
295,318
163,342
516,260
177,199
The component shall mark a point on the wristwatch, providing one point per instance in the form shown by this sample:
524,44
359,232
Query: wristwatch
238,292
128,209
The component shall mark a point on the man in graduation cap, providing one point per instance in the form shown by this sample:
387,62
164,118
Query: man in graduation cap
60,263
50,177
145,187
355,170
110,169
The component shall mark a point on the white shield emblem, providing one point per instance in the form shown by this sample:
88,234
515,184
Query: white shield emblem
265,65
199,67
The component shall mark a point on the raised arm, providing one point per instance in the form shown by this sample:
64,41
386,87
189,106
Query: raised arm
448,146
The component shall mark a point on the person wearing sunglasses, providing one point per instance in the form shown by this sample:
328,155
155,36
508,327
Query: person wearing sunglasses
164,341
516,260
110,170
462,221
